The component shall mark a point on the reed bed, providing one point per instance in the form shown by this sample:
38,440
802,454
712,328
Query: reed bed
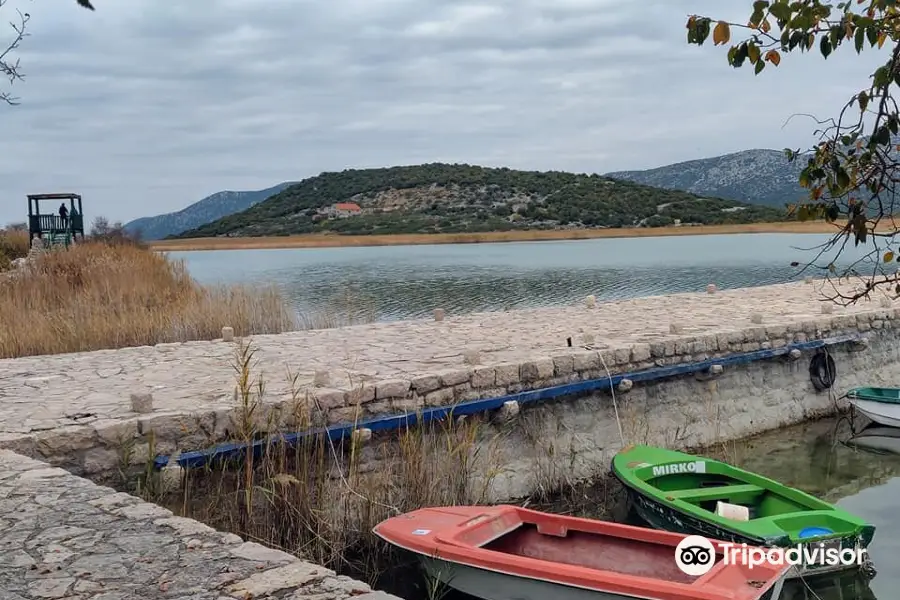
320,499
102,294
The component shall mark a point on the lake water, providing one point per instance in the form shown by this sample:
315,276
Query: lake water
397,282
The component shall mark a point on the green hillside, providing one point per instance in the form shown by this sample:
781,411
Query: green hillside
444,198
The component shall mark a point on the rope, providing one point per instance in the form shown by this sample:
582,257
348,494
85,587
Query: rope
612,391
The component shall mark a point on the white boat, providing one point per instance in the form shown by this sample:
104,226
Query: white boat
881,405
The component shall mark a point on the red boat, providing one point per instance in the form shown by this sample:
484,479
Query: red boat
512,553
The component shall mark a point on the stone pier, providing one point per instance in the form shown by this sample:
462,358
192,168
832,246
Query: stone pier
63,536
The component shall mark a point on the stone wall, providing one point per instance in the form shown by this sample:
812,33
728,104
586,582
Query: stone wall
102,445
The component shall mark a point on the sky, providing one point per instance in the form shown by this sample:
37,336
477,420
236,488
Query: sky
146,106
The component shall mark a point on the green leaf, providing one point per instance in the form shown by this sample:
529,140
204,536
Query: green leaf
780,10
872,35
863,99
888,256
760,65
825,46
859,39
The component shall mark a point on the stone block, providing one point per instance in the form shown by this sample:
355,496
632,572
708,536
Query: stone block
441,397
585,361
623,356
327,398
676,328
113,432
362,394
536,370
65,440
711,288
640,353
228,334
452,378
439,314
506,374
392,389
484,377
563,364
142,403
716,369
591,301
625,386
425,384
756,318
341,416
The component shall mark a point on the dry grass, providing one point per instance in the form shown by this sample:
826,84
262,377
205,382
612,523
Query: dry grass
334,240
13,244
97,295
320,499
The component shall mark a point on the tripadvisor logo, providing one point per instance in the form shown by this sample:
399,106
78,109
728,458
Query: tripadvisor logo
695,555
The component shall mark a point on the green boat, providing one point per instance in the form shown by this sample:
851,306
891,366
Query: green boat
683,493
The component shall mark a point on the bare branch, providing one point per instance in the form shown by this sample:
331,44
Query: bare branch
9,68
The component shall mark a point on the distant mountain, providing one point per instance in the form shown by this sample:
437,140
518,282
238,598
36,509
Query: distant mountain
459,198
756,176
200,213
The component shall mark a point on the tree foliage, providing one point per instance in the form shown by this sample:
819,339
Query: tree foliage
852,172
445,198
9,66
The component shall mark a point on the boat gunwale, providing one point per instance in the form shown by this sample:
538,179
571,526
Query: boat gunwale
465,555
654,494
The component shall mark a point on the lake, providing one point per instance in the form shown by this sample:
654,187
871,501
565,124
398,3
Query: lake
399,282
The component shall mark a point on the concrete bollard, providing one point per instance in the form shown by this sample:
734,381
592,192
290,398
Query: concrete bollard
142,403
170,476
471,357
439,314
509,410
827,308
591,301
756,318
625,386
711,288
321,379
886,302
676,329
228,334
795,354
362,435
716,369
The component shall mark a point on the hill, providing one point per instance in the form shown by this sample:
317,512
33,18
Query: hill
444,198
756,176
205,211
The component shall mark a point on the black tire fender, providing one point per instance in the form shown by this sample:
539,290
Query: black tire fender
822,371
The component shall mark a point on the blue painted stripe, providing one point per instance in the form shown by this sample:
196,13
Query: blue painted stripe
230,451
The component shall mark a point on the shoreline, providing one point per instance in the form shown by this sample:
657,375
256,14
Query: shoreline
318,240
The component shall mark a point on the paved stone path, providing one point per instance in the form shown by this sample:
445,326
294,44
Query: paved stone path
50,392
64,537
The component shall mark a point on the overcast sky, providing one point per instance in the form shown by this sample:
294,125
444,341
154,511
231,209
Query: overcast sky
146,106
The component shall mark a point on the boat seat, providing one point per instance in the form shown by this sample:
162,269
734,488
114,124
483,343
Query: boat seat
715,493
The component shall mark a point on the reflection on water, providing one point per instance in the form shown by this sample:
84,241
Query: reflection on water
396,282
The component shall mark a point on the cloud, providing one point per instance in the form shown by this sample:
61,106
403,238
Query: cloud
146,106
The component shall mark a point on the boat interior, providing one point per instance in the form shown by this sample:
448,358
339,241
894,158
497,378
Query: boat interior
592,545
729,497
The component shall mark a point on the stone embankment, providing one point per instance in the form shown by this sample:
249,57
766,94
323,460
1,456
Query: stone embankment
77,410
63,536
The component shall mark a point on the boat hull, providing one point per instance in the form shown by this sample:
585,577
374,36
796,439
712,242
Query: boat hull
882,413
489,585
660,516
